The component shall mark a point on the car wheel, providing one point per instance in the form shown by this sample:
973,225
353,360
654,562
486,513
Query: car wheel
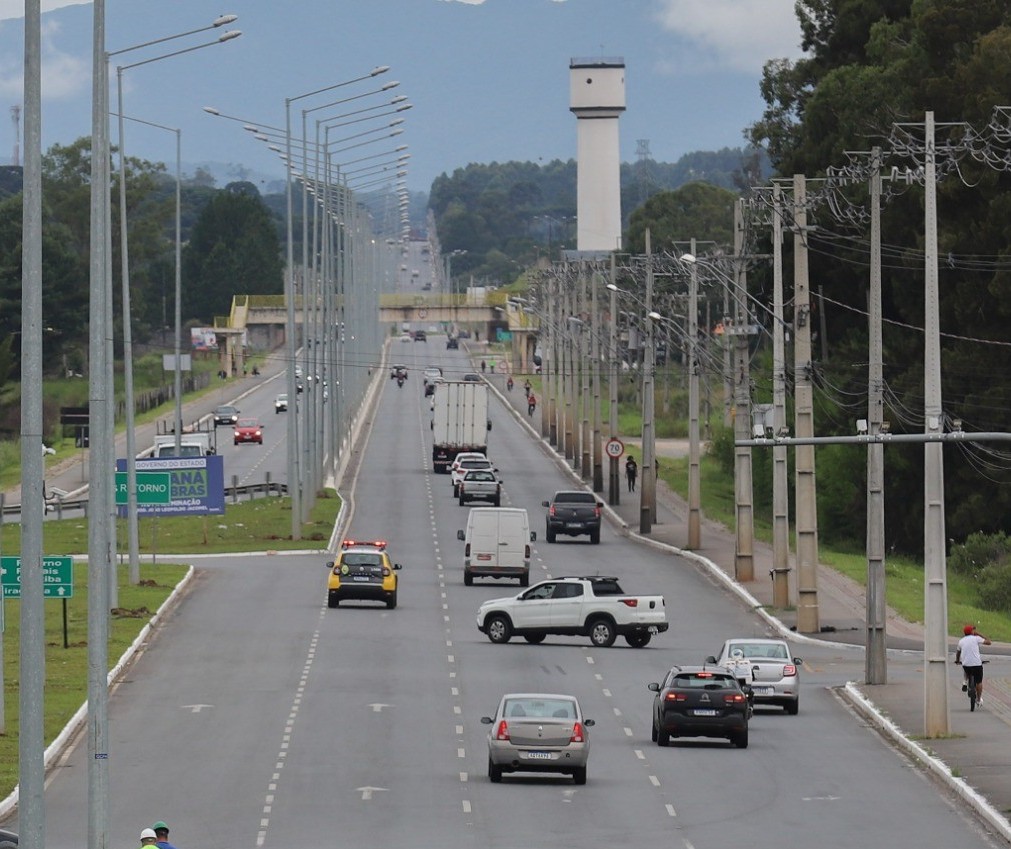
494,772
662,737
652,732
468,579
595,537
534,638
391,602
499,628
496,501
793,707
741,739
549,535
638,639
332,601
462,501
579,775
525,580
602,633
455,491
236,442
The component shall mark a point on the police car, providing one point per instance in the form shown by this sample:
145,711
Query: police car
362,571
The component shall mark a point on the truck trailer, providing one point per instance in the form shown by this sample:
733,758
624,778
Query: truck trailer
459,421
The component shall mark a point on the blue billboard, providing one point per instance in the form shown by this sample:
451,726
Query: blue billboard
198,486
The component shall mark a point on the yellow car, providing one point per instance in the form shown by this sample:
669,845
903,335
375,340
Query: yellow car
362,571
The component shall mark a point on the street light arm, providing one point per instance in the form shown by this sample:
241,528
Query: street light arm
375,72
218,22
228,36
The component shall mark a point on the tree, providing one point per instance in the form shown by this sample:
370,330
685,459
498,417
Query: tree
696,210
233,249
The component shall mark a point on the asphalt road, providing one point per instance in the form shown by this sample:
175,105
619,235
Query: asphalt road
258,717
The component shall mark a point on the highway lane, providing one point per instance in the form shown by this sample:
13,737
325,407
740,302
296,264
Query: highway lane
359,726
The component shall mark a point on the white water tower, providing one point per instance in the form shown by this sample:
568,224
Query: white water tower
597,98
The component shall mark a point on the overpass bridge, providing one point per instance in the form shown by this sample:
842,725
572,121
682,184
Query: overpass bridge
439,308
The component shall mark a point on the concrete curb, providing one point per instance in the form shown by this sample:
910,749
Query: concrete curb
938,768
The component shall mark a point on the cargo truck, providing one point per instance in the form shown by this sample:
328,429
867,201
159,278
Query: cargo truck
459,421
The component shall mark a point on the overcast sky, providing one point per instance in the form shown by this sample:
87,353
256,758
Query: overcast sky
488,79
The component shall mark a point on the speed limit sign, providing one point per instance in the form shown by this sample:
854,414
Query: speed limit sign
614,448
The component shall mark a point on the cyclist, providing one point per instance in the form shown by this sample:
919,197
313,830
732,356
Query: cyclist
968,655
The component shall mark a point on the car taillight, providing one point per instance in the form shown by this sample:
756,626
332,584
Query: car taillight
466,550
551,510
502,732
676,697
596,512
630,602
789,670
732,698
526,552
577,733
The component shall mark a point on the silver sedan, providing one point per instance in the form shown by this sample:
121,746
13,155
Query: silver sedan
767,666
538,732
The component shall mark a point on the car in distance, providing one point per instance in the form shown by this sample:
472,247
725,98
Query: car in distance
226,414
362,571
767,666
398,370
572,513
281,403
248,430
452,344
420,336
464,462
472,377
480,485
538,732
406,337
699,701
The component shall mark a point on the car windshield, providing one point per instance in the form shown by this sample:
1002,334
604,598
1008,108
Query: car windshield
540,708
576,497
475,464
772,651
364,558
247,423
479,476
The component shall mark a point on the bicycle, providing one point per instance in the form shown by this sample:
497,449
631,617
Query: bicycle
969,686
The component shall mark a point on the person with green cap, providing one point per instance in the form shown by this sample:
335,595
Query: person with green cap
161,830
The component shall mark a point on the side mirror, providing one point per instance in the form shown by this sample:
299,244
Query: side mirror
397,566
710,659
589,723
798,661
600,503
545,504
460,535
654,687
486,720
329,564
489,424
533,536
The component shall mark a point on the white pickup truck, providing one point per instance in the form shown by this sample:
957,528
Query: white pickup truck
594,607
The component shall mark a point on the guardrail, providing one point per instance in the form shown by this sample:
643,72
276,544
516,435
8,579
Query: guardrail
59,503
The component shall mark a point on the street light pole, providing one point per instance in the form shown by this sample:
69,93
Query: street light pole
647,488
614,479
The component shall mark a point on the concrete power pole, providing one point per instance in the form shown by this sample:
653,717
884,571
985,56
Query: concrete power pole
780,466
613,475
744,558
806,492
585,348
875,658
647,475
597,350
694,459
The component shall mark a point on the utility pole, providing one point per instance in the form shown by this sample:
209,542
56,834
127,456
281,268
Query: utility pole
806,492
780,470
875,658
551,366
596,347
569,367
647,482
935,587
744,557
694,459
613,477
585,348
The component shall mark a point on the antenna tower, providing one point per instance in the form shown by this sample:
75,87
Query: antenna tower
16,118
646,184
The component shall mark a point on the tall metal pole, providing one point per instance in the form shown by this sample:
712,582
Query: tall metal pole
935,588
178,425
875,658
31,740
613,473
647,475
294,479
551,398
596,352
744,558
585,348
806,492
568,365
694,449
124,260
780,468
101,565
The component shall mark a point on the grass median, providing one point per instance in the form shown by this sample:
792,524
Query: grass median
262,524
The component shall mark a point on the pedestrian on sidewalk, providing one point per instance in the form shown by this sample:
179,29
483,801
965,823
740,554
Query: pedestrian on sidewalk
968,655
631,472
484,365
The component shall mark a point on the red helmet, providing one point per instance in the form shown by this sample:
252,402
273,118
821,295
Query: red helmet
968,629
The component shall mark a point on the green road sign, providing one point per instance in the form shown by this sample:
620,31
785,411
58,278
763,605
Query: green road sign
57,577
152,487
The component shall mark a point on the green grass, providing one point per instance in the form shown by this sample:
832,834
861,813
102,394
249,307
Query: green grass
261,524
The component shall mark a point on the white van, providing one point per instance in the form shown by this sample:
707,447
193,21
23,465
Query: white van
497,544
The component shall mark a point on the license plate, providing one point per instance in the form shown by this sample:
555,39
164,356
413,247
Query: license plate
484,557
762,691
360,578
653,629
573,524
705,712
539,756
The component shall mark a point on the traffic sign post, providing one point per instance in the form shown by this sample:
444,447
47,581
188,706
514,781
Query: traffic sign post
57,577
614,448
152,487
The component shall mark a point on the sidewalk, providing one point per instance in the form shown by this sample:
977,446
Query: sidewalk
974,761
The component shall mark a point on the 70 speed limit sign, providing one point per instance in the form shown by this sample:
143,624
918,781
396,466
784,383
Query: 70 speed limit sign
614,448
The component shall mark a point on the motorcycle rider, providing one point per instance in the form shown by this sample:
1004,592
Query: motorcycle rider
509,383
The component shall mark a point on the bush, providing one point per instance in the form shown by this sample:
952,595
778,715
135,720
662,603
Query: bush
978,553
993,590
